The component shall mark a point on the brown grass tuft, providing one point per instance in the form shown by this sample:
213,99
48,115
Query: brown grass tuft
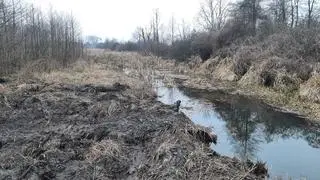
38,66
105,148
163,153
311,89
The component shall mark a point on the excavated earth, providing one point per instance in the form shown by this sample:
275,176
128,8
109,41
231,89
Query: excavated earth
61,131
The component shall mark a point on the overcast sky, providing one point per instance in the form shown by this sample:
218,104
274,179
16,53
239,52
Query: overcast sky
119,18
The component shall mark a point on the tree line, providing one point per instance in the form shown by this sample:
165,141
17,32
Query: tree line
222,23
28,34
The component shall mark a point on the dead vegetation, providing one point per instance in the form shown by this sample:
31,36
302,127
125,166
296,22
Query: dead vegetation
100,120
310,90
277,70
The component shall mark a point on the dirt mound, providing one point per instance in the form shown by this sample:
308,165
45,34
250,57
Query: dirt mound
61,131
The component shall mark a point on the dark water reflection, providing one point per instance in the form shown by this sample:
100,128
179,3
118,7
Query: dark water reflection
252,130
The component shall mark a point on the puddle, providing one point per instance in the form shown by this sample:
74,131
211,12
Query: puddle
249,129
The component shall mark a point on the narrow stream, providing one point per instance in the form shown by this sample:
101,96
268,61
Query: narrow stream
249,129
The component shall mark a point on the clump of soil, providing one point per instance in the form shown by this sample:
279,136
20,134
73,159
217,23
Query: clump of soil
62,131
2,80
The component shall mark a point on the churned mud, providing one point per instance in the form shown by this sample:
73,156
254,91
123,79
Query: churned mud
65,131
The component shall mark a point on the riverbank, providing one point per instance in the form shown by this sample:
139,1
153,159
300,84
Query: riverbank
286,97
285,93
99,119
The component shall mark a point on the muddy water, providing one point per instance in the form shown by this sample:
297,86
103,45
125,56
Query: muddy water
248,129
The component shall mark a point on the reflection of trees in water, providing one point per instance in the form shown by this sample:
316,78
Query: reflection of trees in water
243,120
250,123
313,139
206,111
241,124
171,94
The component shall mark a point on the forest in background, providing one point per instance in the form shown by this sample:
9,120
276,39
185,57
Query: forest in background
28,34
223,27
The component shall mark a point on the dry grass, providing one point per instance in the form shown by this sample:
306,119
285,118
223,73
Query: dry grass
103,149
2,89
276,81
163,152
38,66
104,68
311,89
176,148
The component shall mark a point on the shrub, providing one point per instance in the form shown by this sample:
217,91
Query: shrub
241,66
243,59
268,78
301,69
181,50
229,34
203,44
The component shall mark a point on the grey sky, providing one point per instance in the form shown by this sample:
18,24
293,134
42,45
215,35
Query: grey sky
119,18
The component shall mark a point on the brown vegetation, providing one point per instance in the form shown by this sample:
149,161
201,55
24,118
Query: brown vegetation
100,120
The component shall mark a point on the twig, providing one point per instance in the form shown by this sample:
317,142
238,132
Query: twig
247,173
200,173
6,102
26,172
94,173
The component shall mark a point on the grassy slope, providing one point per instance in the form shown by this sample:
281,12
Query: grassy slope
212,75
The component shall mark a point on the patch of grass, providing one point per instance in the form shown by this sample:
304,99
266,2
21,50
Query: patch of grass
103,149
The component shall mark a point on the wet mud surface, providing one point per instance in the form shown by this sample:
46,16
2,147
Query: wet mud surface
60,131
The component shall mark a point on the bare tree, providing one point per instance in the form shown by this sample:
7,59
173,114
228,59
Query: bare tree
292,12
184,30
27,34
212,15
221,13
246,13
155,25
283,11
297,11
172,29
310,11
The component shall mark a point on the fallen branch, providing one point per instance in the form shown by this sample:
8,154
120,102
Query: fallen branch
26,172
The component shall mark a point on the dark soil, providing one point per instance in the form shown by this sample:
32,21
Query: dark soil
2,80
98,132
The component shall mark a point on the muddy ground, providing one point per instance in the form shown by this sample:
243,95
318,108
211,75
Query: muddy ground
64,131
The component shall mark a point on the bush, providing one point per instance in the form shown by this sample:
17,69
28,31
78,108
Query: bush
243,59
268,78
229,34
181,50
128,46
309,40
301,69
203,44
241,66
